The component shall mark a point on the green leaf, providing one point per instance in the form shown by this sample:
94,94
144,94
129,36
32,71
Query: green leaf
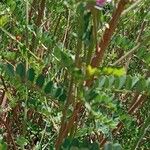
147,58
134,81
108,146
11,4
9,69
75,142
102,81
66,60
64,57
48,87
57,53
148,85
106,84
74,148
31,102
40,80
141,85
111,81
58,92
21,141
128,84
85,144
62,97
94,146
117,146
66,143
119,82
3,145
3,20
31,74
20,70
92,94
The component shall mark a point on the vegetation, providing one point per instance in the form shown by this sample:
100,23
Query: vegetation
74,75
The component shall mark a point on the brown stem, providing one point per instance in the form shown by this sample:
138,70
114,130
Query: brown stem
33,7
95,63
64,113
40,13
9,132
138,102
103,44
69,125
38,22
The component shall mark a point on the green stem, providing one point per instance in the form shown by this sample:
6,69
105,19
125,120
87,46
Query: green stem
26,61
143,131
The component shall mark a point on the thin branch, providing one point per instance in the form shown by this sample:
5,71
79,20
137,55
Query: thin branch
137,103
126,55
131,7
143,131
67,28
134,48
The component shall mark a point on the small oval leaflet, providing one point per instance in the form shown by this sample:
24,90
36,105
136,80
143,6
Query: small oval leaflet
20,70
48,87
40,80
31,74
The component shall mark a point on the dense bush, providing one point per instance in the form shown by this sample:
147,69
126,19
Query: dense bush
74,74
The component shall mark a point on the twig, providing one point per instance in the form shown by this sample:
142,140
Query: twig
134,48
67,28
137,103
131,7
126,55
143,131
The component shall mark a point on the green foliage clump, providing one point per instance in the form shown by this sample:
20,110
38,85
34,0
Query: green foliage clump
73,75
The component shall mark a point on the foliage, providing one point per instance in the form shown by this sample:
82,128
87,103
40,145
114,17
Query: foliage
73,74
